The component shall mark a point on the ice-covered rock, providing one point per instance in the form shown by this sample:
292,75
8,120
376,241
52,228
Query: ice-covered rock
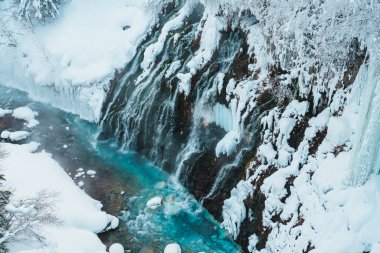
18,136
5,134
116,248
154,203
172,248
25,113
112,221
91,172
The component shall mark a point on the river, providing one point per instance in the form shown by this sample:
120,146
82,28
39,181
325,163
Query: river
124,182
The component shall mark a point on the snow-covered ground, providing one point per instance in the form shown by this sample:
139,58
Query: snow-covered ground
28,173
70,61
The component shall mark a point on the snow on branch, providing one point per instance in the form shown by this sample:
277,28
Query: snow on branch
27,10
26,217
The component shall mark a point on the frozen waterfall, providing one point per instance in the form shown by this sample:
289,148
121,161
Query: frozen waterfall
366,156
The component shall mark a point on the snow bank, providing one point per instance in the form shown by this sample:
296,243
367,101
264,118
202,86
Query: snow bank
14,136
18,135
29,173
68,62
26,114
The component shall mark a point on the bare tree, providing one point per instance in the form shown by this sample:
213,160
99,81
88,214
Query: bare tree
26,217
4,200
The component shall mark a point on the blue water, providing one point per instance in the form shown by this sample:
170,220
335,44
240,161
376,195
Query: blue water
181,219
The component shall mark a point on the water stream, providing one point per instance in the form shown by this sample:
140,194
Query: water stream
72,142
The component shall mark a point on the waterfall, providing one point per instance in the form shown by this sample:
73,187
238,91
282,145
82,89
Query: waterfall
149,110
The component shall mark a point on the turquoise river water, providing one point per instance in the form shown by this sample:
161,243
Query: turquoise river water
124,182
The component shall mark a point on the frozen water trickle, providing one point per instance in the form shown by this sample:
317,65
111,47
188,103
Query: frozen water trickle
366,157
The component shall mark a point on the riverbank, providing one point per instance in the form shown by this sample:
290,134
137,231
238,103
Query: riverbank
123,182
72,218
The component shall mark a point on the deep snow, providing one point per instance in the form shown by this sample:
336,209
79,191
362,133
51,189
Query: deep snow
28,173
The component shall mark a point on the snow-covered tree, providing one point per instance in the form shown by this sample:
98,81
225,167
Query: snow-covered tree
4,200
4,222
41,10
26,217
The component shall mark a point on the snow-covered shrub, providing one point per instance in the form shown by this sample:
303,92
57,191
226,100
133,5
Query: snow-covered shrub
4,221
27,10
25,217
4,200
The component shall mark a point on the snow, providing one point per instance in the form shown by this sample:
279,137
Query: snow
267,153
3,112
18,135
228,144
116,248
91,172
27,173
25,113
184,83
174,66
172,248
5,134
339,131
69,63
234,211
211,35
114,222
154,203
14,136
153,50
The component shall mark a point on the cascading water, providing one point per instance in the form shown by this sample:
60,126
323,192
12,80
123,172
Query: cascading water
177,130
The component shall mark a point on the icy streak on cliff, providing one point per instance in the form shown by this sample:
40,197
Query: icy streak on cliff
366,156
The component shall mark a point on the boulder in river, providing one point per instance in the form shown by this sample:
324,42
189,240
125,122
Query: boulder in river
116,248
154,203
172,248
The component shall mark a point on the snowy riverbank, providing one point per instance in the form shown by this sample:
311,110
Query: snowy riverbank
29,173
70,61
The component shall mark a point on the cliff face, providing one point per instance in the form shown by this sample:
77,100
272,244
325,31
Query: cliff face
245,102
